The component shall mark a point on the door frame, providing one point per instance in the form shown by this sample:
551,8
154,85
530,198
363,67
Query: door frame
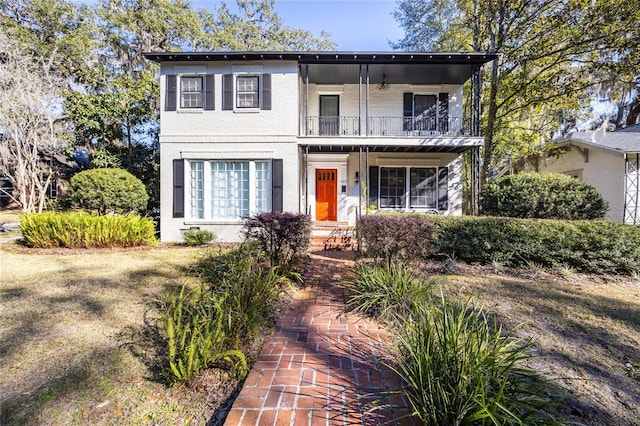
328,161
337,115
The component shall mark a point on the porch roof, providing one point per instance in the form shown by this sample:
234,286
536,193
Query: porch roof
342,67
436,145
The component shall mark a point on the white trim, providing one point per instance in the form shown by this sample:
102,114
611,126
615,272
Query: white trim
226,155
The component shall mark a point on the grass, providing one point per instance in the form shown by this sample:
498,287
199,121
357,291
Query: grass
74,340
9,215
585,331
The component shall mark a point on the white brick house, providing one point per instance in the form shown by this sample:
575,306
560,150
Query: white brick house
326,133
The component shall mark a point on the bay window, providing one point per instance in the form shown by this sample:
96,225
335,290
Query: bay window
229,190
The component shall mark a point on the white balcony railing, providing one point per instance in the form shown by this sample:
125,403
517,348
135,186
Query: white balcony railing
384,126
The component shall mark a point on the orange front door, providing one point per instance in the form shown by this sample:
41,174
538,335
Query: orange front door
326,194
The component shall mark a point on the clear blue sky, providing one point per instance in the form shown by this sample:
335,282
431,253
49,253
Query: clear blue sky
353,24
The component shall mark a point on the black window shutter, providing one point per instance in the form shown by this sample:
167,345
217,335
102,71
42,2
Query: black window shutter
209,92
227,92
443,188
266,91
373,185
407,111
170,98
178,188
276,185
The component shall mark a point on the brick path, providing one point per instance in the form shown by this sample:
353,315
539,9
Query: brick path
320,367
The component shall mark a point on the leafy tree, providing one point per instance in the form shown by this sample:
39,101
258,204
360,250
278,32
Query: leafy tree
553,53
30,132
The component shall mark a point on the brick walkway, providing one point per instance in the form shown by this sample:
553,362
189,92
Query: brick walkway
320,367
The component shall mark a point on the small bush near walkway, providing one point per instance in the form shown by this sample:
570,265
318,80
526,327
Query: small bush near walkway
284,237
457,366
85,230
587,246
392,238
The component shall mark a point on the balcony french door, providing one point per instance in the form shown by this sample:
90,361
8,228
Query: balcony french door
329,115
424,112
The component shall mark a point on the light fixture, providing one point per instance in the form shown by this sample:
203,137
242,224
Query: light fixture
383,84
357,177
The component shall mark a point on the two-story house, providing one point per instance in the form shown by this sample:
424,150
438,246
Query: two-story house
331,134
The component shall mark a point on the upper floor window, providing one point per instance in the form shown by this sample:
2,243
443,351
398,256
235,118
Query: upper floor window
191,92
247,92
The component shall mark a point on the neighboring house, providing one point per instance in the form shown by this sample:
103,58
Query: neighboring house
326,133
608,161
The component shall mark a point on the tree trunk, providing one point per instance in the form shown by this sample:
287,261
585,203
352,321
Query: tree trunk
489,130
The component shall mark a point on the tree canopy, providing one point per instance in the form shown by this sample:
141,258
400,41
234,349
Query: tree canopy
555,56
93,56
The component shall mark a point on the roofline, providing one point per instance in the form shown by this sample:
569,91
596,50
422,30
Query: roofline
589,145
336,57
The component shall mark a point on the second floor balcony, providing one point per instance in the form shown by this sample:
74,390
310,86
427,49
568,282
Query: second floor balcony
386,126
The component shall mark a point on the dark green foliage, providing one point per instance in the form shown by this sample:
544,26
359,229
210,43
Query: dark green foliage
589,246
542,196
459,368
283,236
81,229
197,237
396,237
109,190
196,326
218,317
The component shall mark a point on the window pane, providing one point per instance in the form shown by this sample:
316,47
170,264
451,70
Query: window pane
423,187
197,189
263,186
247,92
229,189
191,92
392,187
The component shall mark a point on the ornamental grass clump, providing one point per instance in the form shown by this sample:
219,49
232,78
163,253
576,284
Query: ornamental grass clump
385,293
86,230
458,368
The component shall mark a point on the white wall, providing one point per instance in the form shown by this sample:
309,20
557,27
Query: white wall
172,229
282,119
603,171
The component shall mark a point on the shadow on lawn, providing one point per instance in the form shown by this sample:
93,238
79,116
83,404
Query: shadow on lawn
575,332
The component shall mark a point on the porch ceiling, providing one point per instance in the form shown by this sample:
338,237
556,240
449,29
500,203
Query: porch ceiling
420,74
338,148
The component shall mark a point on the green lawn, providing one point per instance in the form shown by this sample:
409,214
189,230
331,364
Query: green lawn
75,345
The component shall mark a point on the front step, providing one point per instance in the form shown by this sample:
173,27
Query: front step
335,238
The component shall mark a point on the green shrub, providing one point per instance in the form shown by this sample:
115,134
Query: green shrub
252,288
392,238
197,237
283,236
542,196
108,190
195,323
81,229
458,368
385,293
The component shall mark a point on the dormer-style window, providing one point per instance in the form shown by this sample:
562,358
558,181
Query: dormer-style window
247,91
190,92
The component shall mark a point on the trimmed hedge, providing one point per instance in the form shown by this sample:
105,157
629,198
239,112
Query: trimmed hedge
81,229
109,190
588,246
542,196
392,238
